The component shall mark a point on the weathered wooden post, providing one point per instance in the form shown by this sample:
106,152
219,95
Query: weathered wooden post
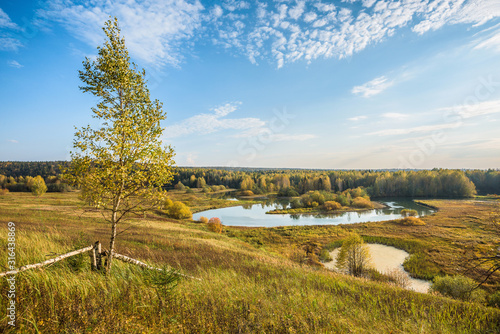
93,260
98,255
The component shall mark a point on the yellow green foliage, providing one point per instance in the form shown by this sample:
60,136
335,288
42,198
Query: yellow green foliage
38,186
179,210
411,221
247,193
354,256
332,205
361,202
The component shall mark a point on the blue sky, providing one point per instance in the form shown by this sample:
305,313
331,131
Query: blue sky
306,84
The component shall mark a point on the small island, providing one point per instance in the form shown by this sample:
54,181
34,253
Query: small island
324,202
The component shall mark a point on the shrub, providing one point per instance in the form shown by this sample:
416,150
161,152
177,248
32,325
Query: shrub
458,287
399,278
180,186
324,255
411,221
215,225
4,192
189,190
167,204
247,193
360,202
180,210
203,220
332,205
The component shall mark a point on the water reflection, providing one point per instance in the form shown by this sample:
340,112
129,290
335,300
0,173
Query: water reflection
255,215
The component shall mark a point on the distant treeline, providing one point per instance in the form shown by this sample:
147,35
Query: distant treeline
377,183
422,183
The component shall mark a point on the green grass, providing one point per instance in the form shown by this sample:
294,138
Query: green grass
246,287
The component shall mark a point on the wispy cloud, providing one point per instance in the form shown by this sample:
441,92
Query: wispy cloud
208,123
14,63
159,32
479,109
8,42
416,129
357,118
154,30
13,141
6,22
456,114
373,87
395,115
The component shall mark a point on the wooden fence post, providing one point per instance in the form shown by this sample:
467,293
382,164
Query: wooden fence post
98,255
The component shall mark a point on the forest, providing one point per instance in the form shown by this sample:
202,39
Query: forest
436,183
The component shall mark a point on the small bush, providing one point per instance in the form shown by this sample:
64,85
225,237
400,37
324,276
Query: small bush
167,204
458,287
203,220
399,278
411,221
362,203
4,192
189,190
180,186
215,225
247,193
324,255
180,210
331,206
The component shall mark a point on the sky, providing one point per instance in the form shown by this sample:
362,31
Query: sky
353,84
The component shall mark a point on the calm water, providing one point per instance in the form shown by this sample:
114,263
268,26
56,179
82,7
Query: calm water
255,215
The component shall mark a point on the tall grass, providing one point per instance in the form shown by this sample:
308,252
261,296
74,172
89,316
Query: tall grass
243,289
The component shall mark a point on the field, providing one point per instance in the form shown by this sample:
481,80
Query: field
253,280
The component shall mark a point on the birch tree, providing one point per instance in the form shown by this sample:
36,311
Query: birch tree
121,165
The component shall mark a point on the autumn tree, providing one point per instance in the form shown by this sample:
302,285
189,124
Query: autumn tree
122,165
354,256
38,186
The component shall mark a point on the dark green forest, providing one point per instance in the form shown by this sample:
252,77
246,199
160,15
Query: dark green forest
443,183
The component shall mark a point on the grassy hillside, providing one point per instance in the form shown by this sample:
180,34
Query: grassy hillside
246,286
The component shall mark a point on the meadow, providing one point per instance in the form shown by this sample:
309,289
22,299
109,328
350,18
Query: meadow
253,280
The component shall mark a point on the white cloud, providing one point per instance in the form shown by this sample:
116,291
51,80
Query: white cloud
159,32
416,129
14,63
10,44
373,87
455,115
357,118
7,41
394,115
208,123
6,22
13,141
297,11
154,30
475,110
